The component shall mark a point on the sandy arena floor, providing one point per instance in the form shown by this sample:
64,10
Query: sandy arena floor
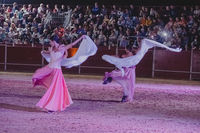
160,106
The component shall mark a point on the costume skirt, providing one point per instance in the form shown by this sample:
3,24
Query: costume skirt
57,96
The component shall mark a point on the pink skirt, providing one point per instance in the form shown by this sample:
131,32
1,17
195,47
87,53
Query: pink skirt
57,97
127,81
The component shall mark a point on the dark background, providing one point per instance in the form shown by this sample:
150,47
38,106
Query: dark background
107,2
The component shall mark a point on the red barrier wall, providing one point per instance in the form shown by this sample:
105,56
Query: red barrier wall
196,64
164,60
2,53
167,60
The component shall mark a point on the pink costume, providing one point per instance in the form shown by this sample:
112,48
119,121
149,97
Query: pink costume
57,97
126,73
127,81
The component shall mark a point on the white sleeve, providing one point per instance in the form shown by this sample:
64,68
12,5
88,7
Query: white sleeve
146,44
46,56
87,48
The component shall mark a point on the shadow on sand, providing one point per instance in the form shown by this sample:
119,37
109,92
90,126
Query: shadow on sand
18,107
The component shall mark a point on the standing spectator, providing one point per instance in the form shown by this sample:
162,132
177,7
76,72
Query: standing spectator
14,8
132,11
88,11
173,11
166,14
56,9
15,19
104,10
48,10
41,9
196,11
29,9
96,10
153,13
63,9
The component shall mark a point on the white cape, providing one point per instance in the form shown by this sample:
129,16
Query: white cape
87,48
146,44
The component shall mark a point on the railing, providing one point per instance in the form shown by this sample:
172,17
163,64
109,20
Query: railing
157,63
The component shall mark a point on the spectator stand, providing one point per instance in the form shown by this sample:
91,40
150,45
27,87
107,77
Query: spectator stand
109,26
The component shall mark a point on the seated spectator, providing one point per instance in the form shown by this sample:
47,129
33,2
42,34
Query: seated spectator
55,35
26,37
148,21
112,39
100,23
196,43
123,41
2,35
101,39
35,36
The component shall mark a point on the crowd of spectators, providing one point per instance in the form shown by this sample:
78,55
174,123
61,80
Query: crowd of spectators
106,25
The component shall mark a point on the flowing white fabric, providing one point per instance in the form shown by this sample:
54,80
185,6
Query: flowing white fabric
146,44
87,48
